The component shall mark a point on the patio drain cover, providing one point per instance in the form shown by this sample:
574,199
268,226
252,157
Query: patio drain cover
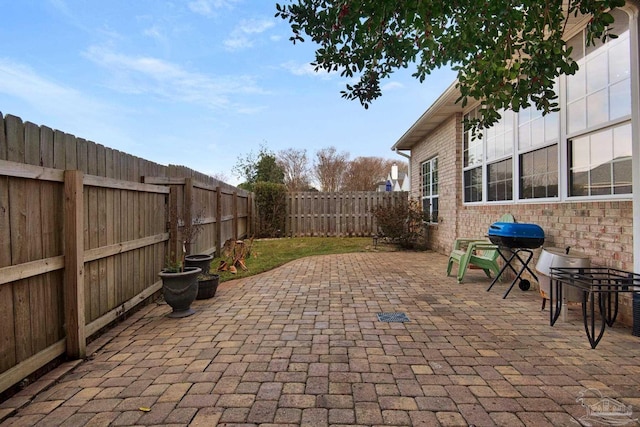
392,317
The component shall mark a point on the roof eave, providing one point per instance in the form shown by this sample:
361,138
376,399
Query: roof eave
438,112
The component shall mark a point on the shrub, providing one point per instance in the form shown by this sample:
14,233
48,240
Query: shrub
404,223
271,208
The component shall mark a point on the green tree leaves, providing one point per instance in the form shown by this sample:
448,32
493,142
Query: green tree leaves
506,53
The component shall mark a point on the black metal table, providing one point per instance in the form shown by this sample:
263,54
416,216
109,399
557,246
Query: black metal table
514,254
602,282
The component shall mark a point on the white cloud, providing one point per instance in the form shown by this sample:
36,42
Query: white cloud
255,26
209,7
306,69
240,36
154,32
148,75
238,43
21,81
60,106
392,86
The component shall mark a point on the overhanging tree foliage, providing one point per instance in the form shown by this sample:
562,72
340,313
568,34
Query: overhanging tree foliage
507,53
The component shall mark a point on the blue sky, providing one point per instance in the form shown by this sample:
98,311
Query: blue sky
190,82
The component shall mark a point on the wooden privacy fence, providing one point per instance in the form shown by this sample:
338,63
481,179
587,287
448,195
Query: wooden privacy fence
82,239
336,213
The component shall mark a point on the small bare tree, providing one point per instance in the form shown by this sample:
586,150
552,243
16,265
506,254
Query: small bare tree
364,173
295,167
330,167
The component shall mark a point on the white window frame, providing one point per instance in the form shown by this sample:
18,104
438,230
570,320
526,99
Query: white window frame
433,190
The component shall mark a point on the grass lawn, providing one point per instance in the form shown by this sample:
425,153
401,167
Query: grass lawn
267,254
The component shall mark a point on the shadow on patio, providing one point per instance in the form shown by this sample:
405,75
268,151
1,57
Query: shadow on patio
302,345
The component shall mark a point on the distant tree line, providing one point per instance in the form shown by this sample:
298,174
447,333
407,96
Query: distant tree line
329,170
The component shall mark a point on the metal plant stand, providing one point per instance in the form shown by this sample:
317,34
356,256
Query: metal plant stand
602,283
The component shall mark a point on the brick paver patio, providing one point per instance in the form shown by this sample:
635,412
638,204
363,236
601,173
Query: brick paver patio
301,345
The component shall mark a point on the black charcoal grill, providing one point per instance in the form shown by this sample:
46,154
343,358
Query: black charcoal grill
513,240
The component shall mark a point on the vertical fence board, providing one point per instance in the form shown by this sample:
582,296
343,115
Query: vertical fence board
92,225
7,337
34,241
101,221
119,209
74,265
51,195
3,139
110,219
19,238
219,241
138,227
131,255
70,152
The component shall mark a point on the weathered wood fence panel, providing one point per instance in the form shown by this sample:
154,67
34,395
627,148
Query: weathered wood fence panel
82,238
336,213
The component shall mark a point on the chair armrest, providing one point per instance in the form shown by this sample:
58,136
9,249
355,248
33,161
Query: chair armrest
475,247
483,246
459,243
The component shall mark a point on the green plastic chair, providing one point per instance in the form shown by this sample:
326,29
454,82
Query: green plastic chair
480,253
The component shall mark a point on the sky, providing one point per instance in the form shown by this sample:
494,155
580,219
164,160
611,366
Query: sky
199,83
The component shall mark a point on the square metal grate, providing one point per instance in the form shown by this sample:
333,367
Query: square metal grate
392,317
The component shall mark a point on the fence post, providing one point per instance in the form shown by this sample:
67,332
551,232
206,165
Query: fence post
235,215
173,222
74,264
218,220
187,213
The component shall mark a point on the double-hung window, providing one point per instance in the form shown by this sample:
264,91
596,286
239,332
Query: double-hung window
599,115
429,185
538,138
473,150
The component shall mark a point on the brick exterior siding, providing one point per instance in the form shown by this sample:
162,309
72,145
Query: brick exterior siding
601,229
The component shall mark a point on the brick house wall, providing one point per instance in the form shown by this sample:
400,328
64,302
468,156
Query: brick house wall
601,229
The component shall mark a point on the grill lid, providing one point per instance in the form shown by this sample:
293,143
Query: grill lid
516,235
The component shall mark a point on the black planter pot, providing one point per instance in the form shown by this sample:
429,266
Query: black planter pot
199,260
207,286
180,290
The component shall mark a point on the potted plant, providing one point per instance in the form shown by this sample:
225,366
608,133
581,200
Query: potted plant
207,283
180,280
179,287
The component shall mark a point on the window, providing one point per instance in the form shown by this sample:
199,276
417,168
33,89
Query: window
500,181
539,173
493,149
473,185
499,141
599,115
600,91
600,163
538,138
429,175
473,157
519,158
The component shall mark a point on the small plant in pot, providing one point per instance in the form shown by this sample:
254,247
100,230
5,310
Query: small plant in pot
179,287
207,283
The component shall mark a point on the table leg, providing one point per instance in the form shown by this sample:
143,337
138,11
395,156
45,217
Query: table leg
555,300
590,320
609,306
